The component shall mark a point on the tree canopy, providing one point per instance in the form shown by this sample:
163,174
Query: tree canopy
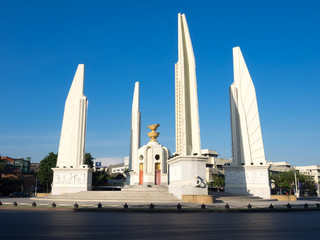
45,173
286,181
217,181
88,160
100,178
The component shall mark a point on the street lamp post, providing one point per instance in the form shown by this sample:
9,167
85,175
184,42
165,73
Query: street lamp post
295,182
35,191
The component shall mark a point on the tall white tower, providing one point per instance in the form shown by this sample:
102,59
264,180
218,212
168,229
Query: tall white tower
135,133
247,144
132,177
187,113
249,173
187,170
70,174
73,131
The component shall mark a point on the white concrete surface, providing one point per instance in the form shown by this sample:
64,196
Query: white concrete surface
248,180
71,180
247,143
187,113
70,175
187,176
135,133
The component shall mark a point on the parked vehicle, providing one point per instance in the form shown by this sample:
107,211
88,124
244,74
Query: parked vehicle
18,195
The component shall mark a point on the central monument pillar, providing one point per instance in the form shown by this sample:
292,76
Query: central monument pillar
150,168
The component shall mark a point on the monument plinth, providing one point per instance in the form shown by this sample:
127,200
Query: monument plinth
71,180
247,180
187,176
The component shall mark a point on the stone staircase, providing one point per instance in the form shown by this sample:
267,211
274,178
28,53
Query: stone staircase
126,195
227,197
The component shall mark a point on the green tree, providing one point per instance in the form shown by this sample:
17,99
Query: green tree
88,160
2,167
284,181
45,172
217,181
100,177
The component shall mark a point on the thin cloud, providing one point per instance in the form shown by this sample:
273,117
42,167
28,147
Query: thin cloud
109,161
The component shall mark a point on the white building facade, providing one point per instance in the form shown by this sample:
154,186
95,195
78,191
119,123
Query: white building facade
313,171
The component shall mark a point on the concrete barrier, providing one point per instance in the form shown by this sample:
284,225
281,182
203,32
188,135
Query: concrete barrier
43,194
284,197
207,199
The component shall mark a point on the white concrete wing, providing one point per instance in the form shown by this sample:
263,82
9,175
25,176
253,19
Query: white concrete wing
187,113
247,141
72,139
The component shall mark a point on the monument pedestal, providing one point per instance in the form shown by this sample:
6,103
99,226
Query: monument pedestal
132,179
71,180
187,176
248,180
149,179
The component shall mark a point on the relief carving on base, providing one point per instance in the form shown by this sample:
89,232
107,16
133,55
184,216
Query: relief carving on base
70,178
235,177
175,173
255,176
248,176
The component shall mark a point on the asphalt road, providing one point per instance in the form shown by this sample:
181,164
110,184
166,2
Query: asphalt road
124,225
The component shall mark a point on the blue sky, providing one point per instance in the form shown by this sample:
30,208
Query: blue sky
120,42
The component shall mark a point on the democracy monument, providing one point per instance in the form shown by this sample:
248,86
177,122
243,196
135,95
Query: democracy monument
150,166
249,173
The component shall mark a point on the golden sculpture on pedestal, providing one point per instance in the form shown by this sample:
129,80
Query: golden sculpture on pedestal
153,134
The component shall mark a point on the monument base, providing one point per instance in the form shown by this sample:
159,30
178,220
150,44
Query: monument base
187,176
132,179
71,180
248,180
